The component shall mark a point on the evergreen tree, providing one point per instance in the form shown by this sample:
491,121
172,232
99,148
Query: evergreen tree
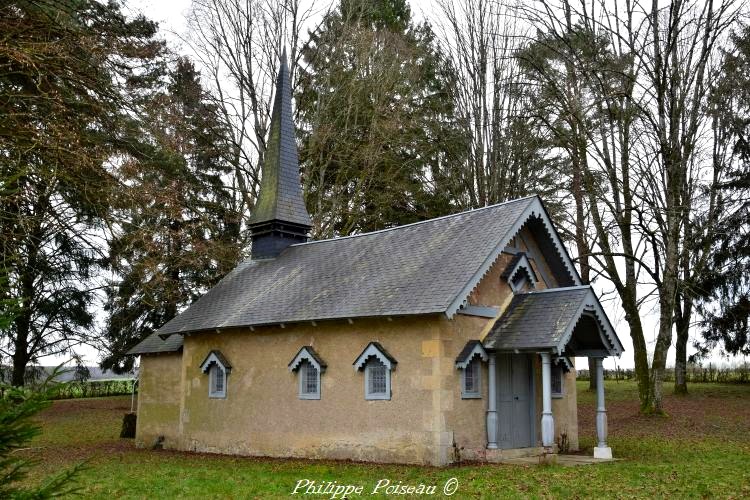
178,233
69,69
18,407
378,125
724,300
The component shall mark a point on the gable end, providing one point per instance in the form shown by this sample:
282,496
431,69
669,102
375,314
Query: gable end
552,249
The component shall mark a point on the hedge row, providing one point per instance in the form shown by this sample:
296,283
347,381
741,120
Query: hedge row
710,372
93,389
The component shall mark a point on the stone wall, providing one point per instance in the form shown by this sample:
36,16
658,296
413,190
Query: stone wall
263,415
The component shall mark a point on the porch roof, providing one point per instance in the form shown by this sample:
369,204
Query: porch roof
567,321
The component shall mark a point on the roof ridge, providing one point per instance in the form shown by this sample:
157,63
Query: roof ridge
337,238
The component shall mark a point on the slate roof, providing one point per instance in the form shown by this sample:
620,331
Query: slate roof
546,319
280,189
422,268
153,344
414,269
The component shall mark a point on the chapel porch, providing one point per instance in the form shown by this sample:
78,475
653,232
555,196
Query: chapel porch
550,328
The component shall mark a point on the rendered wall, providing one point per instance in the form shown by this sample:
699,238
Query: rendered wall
262,414
565,412
159,390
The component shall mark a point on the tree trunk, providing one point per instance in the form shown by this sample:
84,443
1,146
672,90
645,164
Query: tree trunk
680,364
20,354
22,322
592,374
682,324
640,353
663,341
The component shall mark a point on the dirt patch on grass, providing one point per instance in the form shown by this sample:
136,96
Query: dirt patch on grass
65,407
693,416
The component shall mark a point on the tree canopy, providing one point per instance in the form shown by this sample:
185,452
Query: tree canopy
724,291
178,231
67,68
377,119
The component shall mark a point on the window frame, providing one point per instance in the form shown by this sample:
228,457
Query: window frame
473,352
215,361
212,372
557,368
370,364
304,357
303,376
364,362
475,365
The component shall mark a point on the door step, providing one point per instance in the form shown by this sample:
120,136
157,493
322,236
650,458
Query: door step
497,456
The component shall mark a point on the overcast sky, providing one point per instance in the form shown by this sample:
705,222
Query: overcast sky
170,14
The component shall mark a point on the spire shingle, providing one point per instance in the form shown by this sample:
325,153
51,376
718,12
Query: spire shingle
280,198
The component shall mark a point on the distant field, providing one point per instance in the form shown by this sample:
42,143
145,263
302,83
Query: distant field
700,450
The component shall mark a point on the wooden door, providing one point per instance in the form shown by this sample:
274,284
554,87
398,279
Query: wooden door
515,400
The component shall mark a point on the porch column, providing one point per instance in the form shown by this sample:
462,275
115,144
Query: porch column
492,405
601,450
548,421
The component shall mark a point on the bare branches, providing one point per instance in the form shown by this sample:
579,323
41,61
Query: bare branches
240,43
507,154
628,85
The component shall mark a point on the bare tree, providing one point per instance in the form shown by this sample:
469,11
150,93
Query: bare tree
508,154
685,40
239,44
642,124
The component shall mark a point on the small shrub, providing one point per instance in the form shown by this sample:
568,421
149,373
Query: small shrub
17,408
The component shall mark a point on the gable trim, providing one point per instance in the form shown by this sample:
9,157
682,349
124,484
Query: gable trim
473,348
520,261
377,350
215,357
565,362
591,307
307,353
535,209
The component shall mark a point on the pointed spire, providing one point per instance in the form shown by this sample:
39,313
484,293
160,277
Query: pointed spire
280,212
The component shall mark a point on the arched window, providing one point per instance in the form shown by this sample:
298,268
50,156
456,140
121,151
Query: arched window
309,367
218,368
377,365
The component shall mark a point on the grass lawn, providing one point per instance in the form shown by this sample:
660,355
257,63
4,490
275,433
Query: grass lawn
700,450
